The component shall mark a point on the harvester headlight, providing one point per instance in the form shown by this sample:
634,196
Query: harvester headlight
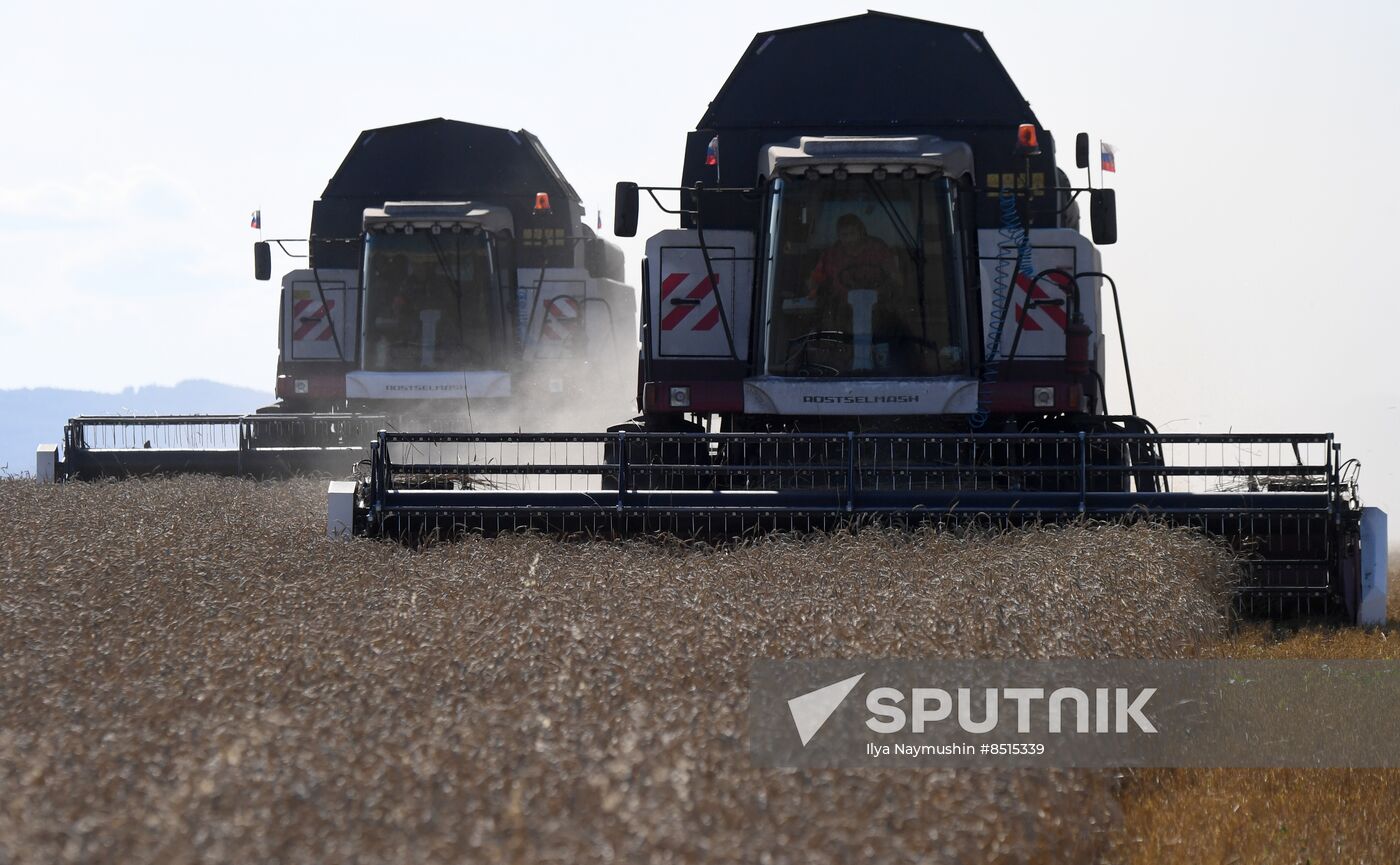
301,386
878,173
680,397
840,174
812,173
908,173
1044,397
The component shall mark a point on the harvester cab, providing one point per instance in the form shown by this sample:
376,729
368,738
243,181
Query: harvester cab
869,296
439,309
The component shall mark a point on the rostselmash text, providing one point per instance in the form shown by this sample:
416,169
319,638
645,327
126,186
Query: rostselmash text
423,388
862,400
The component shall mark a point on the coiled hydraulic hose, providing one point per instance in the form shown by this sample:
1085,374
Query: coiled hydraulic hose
1012,234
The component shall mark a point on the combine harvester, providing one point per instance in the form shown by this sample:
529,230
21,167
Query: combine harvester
451,284
879,307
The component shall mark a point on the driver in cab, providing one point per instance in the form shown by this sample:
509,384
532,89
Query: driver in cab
857,288
855,261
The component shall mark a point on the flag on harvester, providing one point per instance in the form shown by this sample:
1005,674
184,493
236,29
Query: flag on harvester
600,220
1108,153
257,219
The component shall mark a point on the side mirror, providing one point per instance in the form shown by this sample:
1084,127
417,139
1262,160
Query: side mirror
1103,216
1081,150
262,260
604,259
625,210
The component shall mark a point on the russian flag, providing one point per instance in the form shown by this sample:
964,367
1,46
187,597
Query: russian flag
600,220
257,219
1108,151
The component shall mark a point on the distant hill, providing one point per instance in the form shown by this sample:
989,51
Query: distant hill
32,416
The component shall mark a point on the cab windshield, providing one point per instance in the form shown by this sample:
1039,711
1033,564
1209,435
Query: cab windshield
862,279
432,303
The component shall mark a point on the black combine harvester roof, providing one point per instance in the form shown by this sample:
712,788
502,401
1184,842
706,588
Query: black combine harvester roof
816,79
440,160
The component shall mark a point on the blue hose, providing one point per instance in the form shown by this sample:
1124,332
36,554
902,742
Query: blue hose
1012,234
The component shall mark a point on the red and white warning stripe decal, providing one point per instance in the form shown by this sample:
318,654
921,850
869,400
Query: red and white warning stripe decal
1041,316
560,317
699,309
312,321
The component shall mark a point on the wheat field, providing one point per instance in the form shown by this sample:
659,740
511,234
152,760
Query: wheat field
191,672
1273,815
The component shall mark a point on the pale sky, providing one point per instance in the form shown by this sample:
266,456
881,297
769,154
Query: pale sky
1256,190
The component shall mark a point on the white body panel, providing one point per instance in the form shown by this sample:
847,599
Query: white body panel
340,510
1043,330
688,314
567,315
46,464
427,385
308,331
884,396
1374,561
